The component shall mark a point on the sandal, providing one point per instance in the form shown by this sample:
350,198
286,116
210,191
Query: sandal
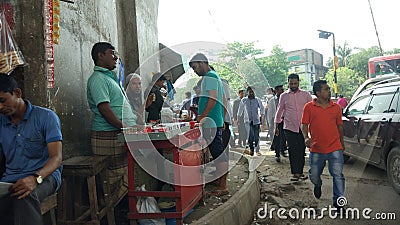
219,193
295,178
303,177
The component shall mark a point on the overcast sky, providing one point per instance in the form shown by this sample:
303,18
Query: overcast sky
292,24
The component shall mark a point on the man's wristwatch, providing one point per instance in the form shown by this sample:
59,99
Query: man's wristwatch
39,178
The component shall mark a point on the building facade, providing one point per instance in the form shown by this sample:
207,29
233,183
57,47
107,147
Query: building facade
308,64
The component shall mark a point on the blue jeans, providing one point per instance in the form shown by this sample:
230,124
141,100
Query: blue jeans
254,137
317,163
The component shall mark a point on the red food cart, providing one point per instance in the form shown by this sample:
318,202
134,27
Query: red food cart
183,141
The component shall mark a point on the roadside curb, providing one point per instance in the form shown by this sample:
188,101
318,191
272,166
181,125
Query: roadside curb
239,209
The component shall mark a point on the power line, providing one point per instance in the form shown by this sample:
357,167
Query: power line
216,26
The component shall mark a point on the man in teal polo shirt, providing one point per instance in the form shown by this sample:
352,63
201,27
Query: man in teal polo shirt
211,115
31,147
106,97
112,111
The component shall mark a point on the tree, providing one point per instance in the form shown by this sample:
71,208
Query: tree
348,80
234,79
275,66
241,50
243,66
359,61
394,51
239,65
343,53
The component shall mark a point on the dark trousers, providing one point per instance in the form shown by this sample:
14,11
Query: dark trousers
226,135
254,137
213,137
279,142
26,211
297,149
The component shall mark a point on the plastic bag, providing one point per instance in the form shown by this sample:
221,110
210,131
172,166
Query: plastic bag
10,55
148,205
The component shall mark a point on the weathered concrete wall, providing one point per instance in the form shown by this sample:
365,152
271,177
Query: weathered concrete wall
29,35
128,43
82,24
147,32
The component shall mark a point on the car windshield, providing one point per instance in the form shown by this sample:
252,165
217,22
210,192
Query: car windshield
387,67
358,107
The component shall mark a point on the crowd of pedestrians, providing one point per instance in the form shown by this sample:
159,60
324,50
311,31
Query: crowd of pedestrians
294,121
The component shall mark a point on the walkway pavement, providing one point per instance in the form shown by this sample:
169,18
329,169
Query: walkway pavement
239,209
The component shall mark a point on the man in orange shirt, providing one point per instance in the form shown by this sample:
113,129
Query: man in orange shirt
322,119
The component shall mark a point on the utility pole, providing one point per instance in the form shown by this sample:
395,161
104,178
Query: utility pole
376,30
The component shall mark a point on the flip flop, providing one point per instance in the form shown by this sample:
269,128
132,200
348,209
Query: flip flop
303,177
219,193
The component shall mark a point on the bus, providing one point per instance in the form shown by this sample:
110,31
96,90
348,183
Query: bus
382,65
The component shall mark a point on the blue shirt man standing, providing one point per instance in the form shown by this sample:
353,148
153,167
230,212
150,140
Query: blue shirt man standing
31,145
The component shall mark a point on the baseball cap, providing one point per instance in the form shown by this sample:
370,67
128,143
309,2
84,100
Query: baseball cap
199,57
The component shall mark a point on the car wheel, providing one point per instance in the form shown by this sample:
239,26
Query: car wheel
393,169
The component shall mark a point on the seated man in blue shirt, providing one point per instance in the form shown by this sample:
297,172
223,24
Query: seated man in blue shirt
30,145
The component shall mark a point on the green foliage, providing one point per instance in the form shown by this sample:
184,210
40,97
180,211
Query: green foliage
394,51
231,75
356,71
239,66
238,50
275,66
343,53
359,61
242,66
348,81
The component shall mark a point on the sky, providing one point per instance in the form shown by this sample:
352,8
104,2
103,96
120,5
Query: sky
292,24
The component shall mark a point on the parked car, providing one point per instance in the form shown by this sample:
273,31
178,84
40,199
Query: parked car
368,83
371,125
